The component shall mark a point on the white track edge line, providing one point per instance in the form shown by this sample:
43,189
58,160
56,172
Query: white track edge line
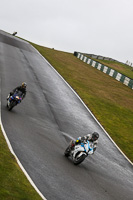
86,108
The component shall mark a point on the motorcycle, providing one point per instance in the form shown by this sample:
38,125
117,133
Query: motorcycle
79,152
13,100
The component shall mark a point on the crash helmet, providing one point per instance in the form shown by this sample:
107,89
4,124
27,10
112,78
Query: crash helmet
24,85
95,136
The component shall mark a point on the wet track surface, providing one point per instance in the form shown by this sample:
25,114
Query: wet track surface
40,128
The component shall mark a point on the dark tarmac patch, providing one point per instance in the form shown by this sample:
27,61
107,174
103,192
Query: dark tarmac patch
16,43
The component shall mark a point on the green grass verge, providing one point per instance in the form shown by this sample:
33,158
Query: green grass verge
13,183
109,100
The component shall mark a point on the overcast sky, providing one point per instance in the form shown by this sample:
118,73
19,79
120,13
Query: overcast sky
102,27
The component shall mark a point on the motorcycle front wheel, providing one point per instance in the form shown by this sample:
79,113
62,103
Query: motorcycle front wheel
11,105
79,160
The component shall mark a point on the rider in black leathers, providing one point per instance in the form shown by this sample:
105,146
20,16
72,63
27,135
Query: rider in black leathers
21,88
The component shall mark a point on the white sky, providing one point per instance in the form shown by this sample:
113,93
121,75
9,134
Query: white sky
102,27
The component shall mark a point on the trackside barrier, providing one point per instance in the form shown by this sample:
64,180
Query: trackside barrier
107,70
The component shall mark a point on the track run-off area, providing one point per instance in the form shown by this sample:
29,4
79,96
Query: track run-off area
40,128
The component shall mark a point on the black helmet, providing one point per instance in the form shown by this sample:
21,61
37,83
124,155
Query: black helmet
24,85
95,136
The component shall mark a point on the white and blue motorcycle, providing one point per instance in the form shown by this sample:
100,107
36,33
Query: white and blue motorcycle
79,152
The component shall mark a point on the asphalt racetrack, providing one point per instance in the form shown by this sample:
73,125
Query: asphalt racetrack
40,128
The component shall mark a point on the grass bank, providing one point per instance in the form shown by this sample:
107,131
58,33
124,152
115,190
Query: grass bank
109,100
119,67
13,183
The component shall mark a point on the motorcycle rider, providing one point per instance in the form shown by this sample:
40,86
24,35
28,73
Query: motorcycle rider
90,137
21,88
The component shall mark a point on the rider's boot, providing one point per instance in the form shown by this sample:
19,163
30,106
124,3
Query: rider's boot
72,145
8,97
